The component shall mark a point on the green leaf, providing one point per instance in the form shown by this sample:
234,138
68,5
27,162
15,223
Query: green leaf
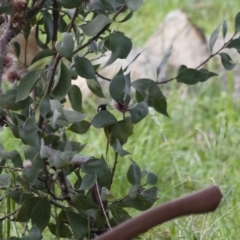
41,214
120,46
73,116
14,156
95,87
132,194
192,76
224,28
213,38
121,130
227,61
24,214
8,101
103,119
30,174
139,112
61,230
65,46
237,23
5,180
133,5
75,97
119,214
117,86
35,233
64,84
45,106
30,132
78,224
128,16
235,43
80,127
144,200
96,25
152,178
83,201
84,68
71,3
164,61
43,54
96,167
27,83
134,174
118,148
148,88
48,26
87,182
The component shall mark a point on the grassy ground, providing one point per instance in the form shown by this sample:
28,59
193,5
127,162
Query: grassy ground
196,147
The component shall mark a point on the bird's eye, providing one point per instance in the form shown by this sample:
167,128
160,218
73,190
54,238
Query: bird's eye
102,107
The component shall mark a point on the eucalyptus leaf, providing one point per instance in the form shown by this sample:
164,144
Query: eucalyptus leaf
64,84
80,127
43,54
117,86
133,5
192,76
134,174
120,46
227,61
65,46
139,112
78,224
237,23
213,38
84,68
96,25
8,101
41,213
224,28
75,97
103,119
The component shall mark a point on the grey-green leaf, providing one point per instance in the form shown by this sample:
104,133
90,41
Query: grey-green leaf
93,27
224,28
213,38
65,46
117,86
27,83
152,178
75,97
192,76
78,224
164,61
84,68
133,5
41,213
120,46
139,112
227,61
134,174
103,119
64,84
237,23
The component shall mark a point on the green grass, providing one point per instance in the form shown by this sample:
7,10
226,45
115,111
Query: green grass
196,147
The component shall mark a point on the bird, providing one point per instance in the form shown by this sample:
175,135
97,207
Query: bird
102,107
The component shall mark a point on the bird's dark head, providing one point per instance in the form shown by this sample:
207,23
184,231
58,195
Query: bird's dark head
102,107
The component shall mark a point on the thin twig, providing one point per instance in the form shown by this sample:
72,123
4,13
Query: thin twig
113,170
205,61
103,210
9,215
104,78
